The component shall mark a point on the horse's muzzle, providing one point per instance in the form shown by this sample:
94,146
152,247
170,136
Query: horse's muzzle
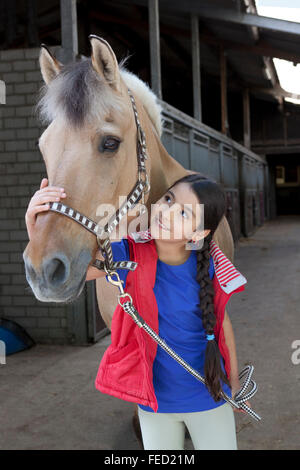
58,279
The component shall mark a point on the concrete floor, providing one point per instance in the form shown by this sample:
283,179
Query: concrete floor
47,394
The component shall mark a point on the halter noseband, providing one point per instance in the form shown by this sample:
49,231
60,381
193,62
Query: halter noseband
141,187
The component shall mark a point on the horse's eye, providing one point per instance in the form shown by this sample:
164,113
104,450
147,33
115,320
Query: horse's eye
109,144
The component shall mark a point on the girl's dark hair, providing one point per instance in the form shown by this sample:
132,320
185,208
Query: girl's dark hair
213,197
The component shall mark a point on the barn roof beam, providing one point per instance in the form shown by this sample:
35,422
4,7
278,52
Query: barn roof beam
276,92
254,33
262,48
237,17
249,5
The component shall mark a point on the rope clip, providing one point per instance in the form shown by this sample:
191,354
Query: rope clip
116,282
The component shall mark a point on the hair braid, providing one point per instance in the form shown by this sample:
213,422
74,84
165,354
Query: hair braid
212,366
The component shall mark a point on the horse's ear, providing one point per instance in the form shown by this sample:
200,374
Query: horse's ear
105,62
50,66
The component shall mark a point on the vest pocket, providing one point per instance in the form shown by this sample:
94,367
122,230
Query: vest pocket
117,354
124,369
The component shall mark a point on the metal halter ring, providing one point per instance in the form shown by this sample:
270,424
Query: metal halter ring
125,294
118,282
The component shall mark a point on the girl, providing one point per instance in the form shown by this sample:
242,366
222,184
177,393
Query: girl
184,305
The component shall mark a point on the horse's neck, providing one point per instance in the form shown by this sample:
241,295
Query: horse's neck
164,168
164,171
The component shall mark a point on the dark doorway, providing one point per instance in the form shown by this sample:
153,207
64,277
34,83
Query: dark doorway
287,183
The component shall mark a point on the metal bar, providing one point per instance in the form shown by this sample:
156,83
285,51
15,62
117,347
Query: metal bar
221,164
191,147
154,39
196,68
32,29
246,120
77,323
69,35
285,137
10,18
224,115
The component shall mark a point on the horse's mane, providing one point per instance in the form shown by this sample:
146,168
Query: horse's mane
78,93
146,96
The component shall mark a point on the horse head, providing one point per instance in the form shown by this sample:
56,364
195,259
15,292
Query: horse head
90,149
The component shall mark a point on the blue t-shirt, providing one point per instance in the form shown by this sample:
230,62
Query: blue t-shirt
179,317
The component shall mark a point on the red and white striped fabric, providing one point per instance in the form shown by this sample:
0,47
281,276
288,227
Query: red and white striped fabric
142,236
228,276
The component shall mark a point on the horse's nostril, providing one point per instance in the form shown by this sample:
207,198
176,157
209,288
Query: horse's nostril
56,272
30,271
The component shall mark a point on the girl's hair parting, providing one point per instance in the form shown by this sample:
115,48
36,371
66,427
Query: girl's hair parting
209,193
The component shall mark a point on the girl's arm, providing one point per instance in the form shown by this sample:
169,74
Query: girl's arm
230,343
234,370
94,273
40,203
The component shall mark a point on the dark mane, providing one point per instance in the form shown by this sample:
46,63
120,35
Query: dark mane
79,93
77,79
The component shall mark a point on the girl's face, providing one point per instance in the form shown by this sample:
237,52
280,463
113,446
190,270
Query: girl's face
177,215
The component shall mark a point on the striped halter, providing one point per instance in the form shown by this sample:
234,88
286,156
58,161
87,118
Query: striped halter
141,188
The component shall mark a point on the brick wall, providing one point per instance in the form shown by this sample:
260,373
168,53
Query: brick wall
21,171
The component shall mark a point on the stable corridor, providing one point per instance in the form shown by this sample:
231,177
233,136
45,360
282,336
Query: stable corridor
47,394
266,321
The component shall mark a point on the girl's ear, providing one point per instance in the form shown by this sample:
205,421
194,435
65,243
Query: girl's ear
197,240
199,235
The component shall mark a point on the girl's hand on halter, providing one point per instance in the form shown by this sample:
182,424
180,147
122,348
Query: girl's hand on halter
39,203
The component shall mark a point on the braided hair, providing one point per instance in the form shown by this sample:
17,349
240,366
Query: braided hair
213,197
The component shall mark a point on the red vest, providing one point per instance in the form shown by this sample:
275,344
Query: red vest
125,370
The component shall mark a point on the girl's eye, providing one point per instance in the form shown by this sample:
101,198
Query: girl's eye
109,144
167,197
184,214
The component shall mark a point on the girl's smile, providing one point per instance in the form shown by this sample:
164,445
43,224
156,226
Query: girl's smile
158,221
173,216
